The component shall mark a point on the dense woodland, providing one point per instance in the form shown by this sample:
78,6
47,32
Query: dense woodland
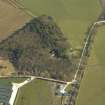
39,48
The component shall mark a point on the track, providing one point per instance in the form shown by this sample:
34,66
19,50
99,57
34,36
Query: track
86,50
86,45
36,77
18,5
15,89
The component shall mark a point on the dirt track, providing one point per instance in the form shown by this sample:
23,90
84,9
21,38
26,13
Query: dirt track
102,3
11,19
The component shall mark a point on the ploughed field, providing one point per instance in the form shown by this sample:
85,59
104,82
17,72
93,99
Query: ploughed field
11,19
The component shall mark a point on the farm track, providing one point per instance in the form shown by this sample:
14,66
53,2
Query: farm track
18,5
79,73
37,77
84,57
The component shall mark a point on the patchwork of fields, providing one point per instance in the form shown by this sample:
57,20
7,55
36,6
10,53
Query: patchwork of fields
73,17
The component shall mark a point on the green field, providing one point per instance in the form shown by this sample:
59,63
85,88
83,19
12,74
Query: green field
38,92
92,91
73,16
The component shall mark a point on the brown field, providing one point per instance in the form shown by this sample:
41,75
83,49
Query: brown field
11,19
6,68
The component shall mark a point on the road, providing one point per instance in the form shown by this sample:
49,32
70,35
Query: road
17,4
86,44
37,77
86,50
16,87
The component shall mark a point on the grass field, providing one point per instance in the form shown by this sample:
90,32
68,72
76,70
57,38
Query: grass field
38,92
73,16
92,91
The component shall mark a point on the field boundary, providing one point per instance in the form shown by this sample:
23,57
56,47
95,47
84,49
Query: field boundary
18,5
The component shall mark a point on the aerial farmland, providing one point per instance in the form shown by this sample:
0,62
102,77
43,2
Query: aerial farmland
52,52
